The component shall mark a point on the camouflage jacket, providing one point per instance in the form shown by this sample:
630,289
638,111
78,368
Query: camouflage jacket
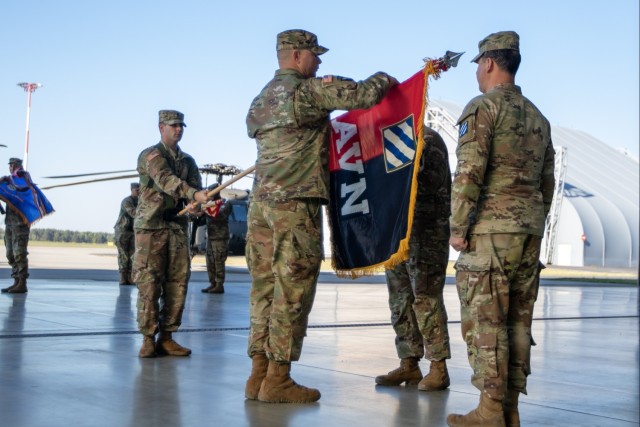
433,198
13,218
127,214
504,180
167,181
290,121
218,226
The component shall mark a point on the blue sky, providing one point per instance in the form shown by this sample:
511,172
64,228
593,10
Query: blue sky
109,66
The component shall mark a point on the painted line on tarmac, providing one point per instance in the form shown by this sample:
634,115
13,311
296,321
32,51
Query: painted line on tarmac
229,329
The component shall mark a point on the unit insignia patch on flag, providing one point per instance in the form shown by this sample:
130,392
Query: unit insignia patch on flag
399,144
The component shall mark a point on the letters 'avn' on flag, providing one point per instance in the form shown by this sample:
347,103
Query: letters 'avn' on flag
25,197
373,180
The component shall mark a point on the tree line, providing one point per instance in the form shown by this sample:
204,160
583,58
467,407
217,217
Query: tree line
67,236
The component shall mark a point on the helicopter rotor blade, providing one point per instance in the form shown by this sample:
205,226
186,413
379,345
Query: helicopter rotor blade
113,178
87,174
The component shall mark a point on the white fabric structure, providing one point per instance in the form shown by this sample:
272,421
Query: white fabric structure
598,222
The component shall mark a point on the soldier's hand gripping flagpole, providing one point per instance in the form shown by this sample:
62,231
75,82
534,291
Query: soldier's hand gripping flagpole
219,188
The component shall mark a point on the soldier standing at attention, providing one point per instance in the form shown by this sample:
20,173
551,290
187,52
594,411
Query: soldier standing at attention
217,218
124,236
289,120
416,286
169,179
16,239
502,192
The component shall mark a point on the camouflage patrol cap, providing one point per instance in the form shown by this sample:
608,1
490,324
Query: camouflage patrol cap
135,185
171,117
299,39
497,41
15,161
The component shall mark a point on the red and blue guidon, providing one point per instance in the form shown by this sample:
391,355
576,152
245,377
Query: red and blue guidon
371,164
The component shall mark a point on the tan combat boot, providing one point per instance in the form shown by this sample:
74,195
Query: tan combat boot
8,288
207,290
409,372
20,287
148,348
166,346
278,387
259,366
437,378
510,408
487,414
217,289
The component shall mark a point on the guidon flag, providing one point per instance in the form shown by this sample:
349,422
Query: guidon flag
373,176
24,197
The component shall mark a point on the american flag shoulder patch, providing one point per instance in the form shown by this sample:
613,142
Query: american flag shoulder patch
152,155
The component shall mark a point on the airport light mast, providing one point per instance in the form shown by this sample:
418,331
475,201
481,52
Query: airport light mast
29,88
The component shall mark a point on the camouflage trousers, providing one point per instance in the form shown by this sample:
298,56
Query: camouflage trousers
16,239
126,243
161,269
284,252
418,314
497,281
216,256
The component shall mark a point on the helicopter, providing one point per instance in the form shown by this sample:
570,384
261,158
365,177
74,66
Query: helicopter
239,201
237,198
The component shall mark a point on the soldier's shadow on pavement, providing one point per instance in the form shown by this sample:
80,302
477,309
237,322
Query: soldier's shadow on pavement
260,414
414,404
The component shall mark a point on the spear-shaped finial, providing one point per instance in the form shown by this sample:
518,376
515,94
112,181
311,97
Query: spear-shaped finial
435,66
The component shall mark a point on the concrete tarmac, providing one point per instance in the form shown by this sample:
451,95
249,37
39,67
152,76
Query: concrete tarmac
68,354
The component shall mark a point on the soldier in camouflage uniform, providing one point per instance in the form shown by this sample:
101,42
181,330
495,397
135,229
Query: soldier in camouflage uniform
217,218
289,120
502,192
16,239
416,286
124,236
169,178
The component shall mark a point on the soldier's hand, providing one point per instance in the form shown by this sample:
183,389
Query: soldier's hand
460,244
193,208
201,196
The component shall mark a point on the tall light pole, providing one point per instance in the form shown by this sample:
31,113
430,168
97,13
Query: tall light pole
28,87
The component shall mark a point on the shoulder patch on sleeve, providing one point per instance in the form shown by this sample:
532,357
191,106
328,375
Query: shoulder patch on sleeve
152,155
467,124
464,128
327,79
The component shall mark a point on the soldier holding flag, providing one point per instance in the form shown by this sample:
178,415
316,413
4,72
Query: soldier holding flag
289,120
16,238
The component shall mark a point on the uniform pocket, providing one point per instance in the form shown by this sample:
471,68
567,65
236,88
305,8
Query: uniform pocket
486,356
143,247
473,279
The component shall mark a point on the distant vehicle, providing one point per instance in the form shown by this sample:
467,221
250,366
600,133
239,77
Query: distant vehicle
239,200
